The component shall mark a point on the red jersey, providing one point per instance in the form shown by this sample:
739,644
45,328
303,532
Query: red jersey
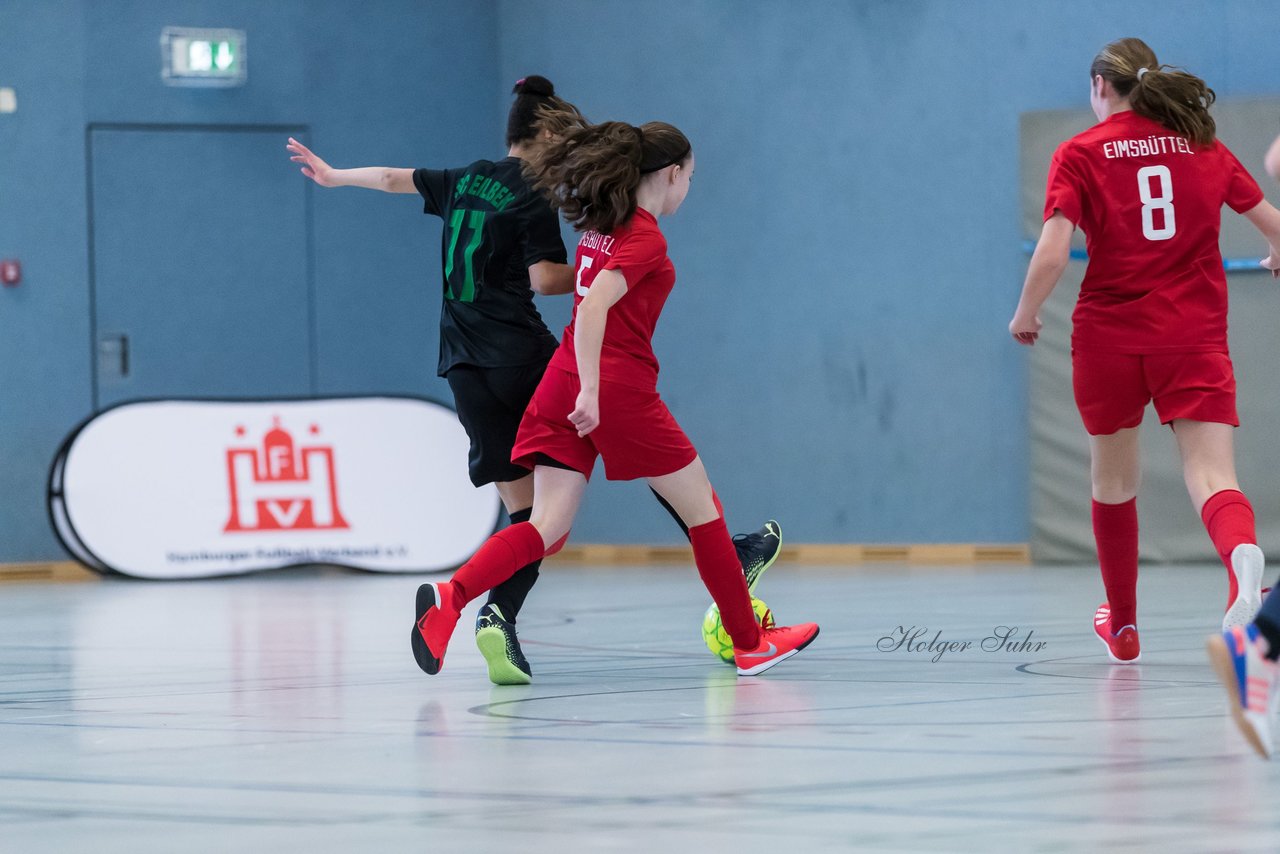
1150,204
638,251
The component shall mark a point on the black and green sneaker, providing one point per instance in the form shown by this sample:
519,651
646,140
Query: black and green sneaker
496,637
758,551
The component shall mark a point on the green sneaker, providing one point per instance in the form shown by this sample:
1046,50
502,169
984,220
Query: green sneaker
758,551
496,638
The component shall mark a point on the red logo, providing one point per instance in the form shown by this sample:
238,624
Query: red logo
279,488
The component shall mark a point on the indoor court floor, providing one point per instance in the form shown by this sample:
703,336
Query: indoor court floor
284,712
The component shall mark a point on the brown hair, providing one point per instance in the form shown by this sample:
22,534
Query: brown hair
591,172
1171,96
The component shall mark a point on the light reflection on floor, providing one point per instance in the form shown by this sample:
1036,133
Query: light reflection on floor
285,711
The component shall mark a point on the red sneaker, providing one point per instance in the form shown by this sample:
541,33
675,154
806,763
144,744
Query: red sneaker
436,619
776,644
1122,646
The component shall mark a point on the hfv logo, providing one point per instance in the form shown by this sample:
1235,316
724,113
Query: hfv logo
279,487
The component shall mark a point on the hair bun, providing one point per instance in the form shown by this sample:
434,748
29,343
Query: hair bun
534,85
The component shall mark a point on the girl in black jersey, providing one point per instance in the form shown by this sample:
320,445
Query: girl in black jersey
501,243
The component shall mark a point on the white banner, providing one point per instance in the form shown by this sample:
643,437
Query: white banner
191,489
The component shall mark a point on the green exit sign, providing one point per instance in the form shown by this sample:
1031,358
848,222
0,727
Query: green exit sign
197,57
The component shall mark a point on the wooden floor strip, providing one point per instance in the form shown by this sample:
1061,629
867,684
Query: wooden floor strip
815,553
65,570
838,554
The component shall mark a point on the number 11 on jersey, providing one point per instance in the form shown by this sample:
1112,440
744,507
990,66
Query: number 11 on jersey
475,221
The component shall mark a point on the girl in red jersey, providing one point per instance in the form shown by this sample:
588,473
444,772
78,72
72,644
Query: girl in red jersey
599,395
500,244
1147,185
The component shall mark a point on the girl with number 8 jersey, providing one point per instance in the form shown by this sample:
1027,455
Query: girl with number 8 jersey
1147,185
599,396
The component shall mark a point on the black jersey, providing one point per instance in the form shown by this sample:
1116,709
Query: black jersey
495,228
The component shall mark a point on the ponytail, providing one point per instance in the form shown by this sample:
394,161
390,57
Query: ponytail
591,173
1171,96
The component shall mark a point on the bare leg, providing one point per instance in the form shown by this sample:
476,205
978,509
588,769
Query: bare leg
557,495
1208,458
1115,469
1209,467
516,495
689,493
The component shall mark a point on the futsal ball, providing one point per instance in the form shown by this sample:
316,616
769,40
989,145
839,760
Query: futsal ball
717,639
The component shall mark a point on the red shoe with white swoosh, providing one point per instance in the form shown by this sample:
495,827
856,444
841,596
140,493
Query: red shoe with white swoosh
776,644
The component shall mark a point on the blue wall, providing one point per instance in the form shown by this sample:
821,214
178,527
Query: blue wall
847,260
399,83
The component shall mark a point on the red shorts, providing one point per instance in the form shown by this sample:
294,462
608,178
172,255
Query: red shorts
1113,389
637,436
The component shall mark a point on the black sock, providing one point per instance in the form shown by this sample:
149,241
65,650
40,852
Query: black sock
671,510
508,597
1271,632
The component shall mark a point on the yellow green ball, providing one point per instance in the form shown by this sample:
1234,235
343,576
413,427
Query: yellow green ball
718,640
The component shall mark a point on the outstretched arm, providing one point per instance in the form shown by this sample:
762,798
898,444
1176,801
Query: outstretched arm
370,177
1053,251
1266,219
608,287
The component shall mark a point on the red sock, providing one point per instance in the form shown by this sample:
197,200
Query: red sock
555,547
498,559
1228,517
1115,529
717,562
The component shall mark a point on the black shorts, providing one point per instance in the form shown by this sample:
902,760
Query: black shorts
490,404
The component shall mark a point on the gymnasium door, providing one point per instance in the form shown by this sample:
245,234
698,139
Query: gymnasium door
200,246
